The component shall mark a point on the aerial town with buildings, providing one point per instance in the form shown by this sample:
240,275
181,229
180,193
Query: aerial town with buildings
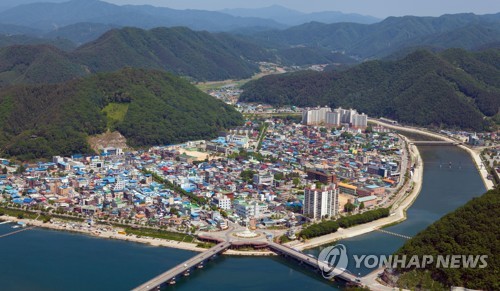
268,173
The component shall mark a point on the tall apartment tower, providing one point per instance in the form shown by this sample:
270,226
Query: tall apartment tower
360,120
315,116
319,202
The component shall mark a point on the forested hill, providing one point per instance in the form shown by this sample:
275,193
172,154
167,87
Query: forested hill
147,107
454,88
199,55
393,34
470,230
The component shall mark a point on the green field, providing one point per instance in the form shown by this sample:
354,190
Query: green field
115,113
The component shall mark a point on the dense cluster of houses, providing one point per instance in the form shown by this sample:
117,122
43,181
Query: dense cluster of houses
255,182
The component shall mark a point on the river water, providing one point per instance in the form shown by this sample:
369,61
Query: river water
41,259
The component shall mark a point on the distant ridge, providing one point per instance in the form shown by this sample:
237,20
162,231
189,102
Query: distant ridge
390,35
292,17
50,16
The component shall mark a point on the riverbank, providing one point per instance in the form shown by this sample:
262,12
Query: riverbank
113,234
473,153
398,215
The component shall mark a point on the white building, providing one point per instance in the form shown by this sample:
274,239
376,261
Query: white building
333,118
321,202
263,179
247,210
222,202
315,116
324,115
360,120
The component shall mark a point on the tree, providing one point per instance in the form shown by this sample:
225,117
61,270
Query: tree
349,207
21,169
362,205
296,181
4,170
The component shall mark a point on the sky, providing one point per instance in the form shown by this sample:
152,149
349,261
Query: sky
377,8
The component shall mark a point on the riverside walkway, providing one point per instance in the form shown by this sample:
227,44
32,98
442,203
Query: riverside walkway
182,269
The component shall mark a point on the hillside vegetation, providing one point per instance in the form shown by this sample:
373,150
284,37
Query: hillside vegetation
198,55
454,88
393,34
147,107
470,230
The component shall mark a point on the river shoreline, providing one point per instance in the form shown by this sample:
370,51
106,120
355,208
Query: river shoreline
472,153
156,242
398,216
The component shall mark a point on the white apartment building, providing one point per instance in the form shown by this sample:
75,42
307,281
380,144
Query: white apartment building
222,202
319,202
326,116
315,116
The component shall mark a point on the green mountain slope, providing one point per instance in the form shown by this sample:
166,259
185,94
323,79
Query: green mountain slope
45,120
454,89
200,55
470,230
37,64
9,40
390,35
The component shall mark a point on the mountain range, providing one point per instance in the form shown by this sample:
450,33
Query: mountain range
454,88
293,17
390,35
147,107
199,55
52,16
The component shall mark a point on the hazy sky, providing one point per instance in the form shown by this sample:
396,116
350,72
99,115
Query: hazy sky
378,8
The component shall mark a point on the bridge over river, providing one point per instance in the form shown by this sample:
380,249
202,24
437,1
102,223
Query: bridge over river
183,269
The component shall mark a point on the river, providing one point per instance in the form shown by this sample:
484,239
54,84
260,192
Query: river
42,259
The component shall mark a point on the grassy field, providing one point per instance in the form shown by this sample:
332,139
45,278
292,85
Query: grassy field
115,113
23,214
206,86
163,234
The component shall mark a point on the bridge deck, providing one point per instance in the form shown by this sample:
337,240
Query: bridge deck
182,267
343,274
